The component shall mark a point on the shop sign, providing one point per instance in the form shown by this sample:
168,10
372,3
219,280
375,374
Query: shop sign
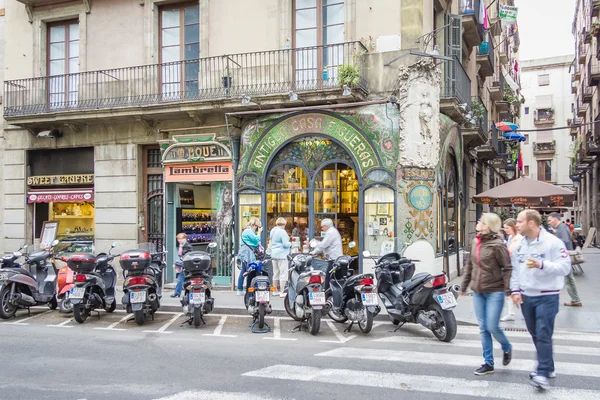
70,197
59,180
195,152
420,197
508,14
204,172
313,123
418,174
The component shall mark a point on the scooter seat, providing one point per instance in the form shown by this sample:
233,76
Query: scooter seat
416,280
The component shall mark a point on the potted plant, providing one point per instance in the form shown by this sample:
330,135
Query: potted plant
478,110
348,75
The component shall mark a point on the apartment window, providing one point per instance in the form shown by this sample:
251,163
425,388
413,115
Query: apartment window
526,170
63,60
526,110
544,80
179,50
544,170
544,114
318,23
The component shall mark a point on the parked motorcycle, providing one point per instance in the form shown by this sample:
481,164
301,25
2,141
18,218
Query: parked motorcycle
197,285
305,297
351,297
142,289
258,289
416,298
66,281
22,288
95,280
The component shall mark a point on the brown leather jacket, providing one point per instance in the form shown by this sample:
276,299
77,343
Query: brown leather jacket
488,267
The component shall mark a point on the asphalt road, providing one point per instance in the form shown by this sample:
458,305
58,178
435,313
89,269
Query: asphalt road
49,356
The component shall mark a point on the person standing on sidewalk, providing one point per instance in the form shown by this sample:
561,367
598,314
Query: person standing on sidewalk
540,264
280,246
250,241
184,248
563,232
513,238
488,272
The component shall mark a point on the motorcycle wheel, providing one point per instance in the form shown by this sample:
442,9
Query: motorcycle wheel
447,331
261,315
80,313
197,316
139,317
112,307
65,305
366,325
314,322
340,318
290,311
52,304
7,310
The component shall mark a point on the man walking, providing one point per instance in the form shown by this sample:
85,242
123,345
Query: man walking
540,263
563,233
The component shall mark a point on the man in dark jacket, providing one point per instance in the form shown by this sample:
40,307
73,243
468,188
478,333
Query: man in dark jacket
563,232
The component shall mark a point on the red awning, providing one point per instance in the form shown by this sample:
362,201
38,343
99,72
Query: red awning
60,195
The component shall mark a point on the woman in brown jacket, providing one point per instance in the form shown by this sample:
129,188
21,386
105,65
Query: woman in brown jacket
488,272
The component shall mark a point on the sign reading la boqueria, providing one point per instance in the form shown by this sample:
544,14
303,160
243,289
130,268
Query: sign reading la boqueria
60,180
314,123
194,149
202,172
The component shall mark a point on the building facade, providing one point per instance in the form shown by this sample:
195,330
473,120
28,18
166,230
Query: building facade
378,115
546,85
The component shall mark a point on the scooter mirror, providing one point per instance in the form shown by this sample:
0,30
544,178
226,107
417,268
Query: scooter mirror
24,246
366,253
212,245
113,245
55,242
351,245
313,243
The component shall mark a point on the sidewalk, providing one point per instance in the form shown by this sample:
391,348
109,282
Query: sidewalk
586,318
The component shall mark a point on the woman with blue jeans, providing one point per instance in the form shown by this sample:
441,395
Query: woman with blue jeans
249,241
184,247
488,271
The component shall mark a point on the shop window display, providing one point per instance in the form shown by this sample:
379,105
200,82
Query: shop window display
76,219
379,220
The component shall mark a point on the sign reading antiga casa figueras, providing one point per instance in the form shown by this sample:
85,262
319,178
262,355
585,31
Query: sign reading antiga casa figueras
203,172
314,123
58,180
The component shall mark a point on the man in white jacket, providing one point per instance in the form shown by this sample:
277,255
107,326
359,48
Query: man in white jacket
540,263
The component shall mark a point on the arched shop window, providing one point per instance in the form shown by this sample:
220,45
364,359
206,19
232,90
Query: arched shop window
450,213
379,220
249,203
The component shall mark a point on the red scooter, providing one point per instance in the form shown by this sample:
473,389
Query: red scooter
65,281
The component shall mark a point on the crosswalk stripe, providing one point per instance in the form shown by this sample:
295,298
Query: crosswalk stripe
418,383
215,395
458,360
586,351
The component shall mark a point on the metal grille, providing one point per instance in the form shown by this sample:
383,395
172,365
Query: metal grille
155,184
155,208
154,159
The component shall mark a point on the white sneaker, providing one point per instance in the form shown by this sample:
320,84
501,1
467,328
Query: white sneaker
275,293
282,295
240,293
508,317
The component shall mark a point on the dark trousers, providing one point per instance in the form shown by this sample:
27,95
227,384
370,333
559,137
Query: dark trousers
539,313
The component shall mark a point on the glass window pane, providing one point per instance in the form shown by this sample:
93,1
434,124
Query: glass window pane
192,33
170,37
192,70
170,54
332,2
305,3
333,55
171,73
287,177
57,67
333,34
192,51
191,15
333,15
306,18
73,49
74,32
170,18
379,206
306,38
73,65
56,85
57,33
191,87
57,50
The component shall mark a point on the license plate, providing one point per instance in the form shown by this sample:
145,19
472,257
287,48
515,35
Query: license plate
369,299
196,298
316,298
446,300
138,297
77,293
261,296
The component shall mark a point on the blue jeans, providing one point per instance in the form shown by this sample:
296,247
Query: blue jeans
179,286
240,285
488,307
539,313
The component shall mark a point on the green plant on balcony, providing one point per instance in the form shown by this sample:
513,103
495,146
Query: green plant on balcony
348,75
478,110
569,121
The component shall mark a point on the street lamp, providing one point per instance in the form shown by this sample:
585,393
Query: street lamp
510,171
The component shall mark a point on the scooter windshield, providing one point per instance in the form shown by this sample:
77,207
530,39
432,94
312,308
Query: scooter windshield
149,247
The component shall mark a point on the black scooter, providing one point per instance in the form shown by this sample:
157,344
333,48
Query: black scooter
24,289
416,298
197,284
95,280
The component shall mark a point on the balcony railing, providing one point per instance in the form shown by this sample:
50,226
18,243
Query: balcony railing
227,76
593,71
457,83
478,107
485,51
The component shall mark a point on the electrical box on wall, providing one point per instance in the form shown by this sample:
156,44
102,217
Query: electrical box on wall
388,43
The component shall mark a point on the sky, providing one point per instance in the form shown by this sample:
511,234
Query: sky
545,28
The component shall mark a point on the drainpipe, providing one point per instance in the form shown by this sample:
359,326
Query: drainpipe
595,194
588,199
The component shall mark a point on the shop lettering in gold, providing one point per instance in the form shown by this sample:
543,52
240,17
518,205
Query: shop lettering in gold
60,180
418,174
195,152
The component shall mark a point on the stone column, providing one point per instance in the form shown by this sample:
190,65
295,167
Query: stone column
14,198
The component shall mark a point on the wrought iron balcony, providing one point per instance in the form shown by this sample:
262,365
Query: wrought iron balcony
472,27
306,69
593,71
544,148
456,89
588,94
485,59
475,132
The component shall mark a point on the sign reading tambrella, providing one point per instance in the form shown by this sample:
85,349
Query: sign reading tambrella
526,192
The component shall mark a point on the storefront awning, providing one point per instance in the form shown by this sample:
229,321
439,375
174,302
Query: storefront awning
60,195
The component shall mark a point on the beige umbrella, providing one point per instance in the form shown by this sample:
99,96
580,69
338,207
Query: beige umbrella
526,192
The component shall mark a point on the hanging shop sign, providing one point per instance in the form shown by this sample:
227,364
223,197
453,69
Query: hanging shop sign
508,14
60,196
60,180
203,172
361,148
